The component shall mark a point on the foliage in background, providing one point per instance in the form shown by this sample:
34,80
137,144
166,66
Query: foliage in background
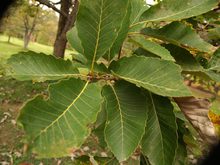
30,21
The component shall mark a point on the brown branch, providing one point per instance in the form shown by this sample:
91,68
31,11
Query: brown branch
72,16
34,23
119,54
26,22
51,5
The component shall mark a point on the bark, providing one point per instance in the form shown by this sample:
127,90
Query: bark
52,6
29,28
68,12
64,25
27,38
9,38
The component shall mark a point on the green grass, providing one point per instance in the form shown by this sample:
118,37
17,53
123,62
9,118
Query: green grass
16,45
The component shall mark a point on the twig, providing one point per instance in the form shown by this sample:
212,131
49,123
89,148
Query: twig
119,54
51,5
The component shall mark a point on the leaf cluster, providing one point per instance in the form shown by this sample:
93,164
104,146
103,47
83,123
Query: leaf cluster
132,92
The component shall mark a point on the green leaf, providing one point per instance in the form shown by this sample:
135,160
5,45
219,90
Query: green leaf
59,125
40,67
182,35
159,76
80,59
99,132
215,107
215,61
153,47
159,143
214,34
189,64
138,7
74,40
126,118
98,24
181,152
100,127
141,52
213,75
171,10
122,34
113,161
184,58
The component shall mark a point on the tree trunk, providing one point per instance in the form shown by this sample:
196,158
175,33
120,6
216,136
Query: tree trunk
9,38
29,28
59,47
64,25
27,38
60,42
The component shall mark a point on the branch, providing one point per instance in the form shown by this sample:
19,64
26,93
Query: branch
26,22
34,21
51,5
72,16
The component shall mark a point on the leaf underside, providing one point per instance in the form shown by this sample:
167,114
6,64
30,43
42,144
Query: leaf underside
121,36
172,10
159,76
189,64
98,24
40,67
74,40
152,47
138,7
59,125
159,143
181,35
126,109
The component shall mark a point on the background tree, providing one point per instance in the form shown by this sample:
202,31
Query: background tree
46,32
33,15
10,25
67,17
30,20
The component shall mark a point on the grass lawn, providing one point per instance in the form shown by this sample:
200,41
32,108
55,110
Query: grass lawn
16,45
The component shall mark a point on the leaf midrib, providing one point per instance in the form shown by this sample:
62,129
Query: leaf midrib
49,75
145,83
98,36
157,119
121,117
64,112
